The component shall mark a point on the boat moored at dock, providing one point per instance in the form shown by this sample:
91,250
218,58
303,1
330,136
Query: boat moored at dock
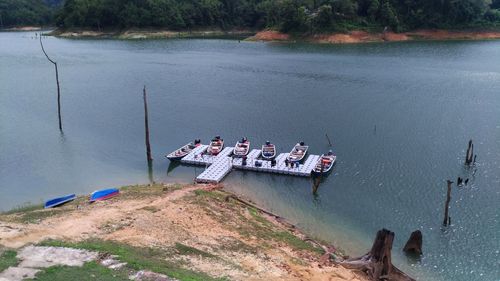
183,151
216,146
241,148
268,151
325,163
298,152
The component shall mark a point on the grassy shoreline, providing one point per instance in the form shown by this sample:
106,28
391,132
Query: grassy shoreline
182,231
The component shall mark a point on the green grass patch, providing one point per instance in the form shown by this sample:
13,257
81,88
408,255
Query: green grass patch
30,214
37,216
258,217
7,259
137,258
211,194
187,250
23,209
89,271
295,242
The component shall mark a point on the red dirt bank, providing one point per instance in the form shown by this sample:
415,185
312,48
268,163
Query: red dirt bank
365,37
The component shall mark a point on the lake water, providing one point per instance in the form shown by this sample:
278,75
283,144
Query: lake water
399,115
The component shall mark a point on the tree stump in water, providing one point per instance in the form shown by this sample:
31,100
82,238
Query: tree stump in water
378,262
447,219
414,244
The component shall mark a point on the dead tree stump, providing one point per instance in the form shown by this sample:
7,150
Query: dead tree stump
377,263
447,219
414,244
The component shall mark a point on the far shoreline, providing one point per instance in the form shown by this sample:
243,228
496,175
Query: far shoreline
269,35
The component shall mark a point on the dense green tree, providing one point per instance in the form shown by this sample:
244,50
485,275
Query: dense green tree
293,16
324,18
24,12
388,15
373,9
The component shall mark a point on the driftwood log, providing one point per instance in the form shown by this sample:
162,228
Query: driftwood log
414,244
377,263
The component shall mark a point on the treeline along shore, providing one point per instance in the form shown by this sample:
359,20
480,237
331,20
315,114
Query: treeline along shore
324,21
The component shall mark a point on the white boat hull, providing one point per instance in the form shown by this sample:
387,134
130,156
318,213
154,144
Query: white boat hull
327,167
298,153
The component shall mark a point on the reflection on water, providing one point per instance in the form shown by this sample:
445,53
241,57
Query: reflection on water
172,165
399,116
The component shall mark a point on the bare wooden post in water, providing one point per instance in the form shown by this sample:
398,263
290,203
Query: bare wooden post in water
57,82
146,124
328,138
447,219
470,153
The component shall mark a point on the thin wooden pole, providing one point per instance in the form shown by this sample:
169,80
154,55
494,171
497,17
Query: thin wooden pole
328,138
446,220
470,153
57,82
146,125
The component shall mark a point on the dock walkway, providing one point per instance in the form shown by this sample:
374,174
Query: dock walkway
222,164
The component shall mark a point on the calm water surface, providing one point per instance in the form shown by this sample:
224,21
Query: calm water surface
399,115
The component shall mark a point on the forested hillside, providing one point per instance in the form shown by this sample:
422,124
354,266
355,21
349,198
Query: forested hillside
286,15
24,12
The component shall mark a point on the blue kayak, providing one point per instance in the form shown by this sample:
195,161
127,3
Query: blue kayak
59,201
103,194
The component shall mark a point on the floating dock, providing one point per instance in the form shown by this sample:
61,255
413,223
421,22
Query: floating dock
222,164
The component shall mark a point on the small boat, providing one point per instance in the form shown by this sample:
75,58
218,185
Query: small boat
268,151
298,152
103,194
183,151
59,201
325,163
241,148
216,146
